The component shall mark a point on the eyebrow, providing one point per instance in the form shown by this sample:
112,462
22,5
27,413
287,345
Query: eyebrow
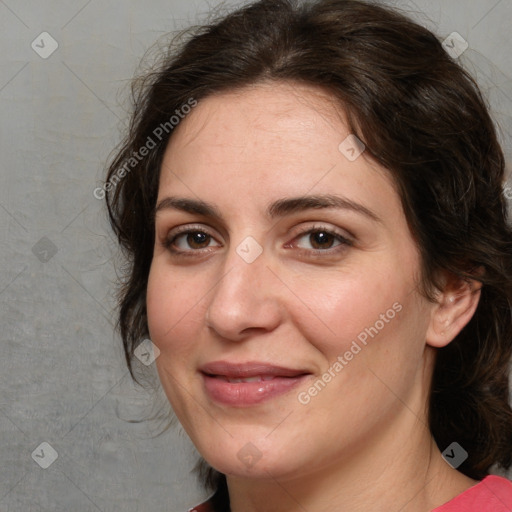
279,208
291,205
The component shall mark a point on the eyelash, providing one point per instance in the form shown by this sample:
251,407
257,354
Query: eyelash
168,243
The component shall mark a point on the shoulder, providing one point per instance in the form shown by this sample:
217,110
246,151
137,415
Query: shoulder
492,494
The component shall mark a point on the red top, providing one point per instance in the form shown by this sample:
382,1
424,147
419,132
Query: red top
205,507
492,494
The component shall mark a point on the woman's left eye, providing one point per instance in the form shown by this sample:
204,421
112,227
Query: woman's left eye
320,240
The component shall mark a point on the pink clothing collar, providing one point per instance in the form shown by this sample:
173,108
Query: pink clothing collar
492,494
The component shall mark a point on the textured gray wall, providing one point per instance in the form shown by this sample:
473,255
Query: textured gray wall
62,378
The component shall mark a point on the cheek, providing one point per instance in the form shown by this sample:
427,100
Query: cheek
175,311
374,344
340,309
174,308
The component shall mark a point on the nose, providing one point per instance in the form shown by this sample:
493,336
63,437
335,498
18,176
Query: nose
245,301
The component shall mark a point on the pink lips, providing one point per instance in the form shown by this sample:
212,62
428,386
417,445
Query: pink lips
246,384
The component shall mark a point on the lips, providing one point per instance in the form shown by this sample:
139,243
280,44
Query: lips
246,384
258,378
249,369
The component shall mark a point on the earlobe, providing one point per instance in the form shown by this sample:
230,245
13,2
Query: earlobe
454,309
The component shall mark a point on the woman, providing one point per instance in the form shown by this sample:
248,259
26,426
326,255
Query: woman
311,200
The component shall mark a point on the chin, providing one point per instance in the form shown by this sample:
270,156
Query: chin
253,459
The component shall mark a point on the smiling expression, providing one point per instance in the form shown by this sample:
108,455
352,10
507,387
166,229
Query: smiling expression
273,253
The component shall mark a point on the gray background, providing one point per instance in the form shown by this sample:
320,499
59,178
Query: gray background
62,377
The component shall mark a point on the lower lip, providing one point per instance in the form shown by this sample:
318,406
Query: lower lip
244,394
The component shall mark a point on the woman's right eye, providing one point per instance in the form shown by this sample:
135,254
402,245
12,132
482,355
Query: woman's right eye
190,241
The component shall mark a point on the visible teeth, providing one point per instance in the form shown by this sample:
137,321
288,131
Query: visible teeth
250,379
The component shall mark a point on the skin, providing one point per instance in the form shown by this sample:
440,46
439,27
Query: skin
362,441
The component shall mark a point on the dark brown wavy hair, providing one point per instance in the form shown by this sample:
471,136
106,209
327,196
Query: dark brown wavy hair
420,115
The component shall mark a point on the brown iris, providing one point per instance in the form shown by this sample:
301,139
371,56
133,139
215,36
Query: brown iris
321,240
198,240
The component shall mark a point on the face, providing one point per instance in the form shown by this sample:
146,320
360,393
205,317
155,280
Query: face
283,288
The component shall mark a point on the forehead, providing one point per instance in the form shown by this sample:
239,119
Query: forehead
266,117
270,139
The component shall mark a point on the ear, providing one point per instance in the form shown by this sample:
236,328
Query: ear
453,310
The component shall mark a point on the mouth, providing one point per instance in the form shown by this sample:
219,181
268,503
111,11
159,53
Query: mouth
257,378
247,384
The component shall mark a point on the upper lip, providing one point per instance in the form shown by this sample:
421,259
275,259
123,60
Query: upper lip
249,369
